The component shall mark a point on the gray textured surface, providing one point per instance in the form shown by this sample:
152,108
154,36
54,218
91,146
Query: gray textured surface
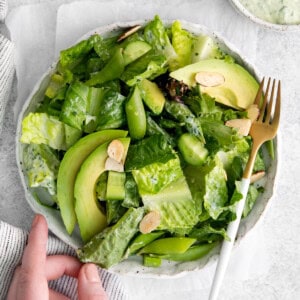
277,55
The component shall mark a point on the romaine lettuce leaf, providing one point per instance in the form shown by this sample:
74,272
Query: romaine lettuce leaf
195,176
216,195
182,42
154,128
207,233
156,176
112,114
252,195
93,108
132,197
154,149
41,165
72,56
109,249
156,35
105,48
75,105
175,205
149,66
183,114
114,211
40,128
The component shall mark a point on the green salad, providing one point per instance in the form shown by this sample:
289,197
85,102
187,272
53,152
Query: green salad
141,140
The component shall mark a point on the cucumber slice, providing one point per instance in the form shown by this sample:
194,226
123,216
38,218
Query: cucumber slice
115,185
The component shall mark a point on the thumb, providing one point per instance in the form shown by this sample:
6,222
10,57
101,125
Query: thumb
89,284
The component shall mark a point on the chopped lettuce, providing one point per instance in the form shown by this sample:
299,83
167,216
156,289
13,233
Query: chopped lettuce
40,128
252,195
156,176
216,195
182,42
71,57
149,66
109,249
74,108
153,128
156,35
112,113
93,108
184,115
105,47
41,164
57,82
207,233
132,197
154,149
175,205
114,211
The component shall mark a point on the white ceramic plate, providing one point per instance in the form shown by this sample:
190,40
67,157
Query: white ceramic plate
246,13
133,266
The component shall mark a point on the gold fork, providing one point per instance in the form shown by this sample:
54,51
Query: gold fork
262,130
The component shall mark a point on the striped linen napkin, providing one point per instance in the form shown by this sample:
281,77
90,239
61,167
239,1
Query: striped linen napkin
6,70
12,239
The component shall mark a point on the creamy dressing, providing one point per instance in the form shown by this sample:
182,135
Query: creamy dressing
275,11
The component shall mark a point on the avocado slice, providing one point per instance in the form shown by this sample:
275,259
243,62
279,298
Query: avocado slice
238,89
90,218
69,168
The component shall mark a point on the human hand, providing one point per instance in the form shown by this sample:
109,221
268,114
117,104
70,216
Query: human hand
30,280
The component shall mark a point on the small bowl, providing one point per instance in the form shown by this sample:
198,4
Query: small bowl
133,265
277,27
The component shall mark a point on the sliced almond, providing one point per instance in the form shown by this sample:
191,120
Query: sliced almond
209,79
253,112
257,176
113,165
242,125
115,150
150,222
129,32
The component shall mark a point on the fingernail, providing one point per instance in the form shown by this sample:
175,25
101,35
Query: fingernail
91,273
35,220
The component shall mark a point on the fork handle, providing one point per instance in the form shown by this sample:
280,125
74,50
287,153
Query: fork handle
227,245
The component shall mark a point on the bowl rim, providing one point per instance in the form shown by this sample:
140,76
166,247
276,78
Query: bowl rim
240,8
125,267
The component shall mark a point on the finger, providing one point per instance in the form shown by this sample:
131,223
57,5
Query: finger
59,265
89,284
12,293
28,286
53,295
34,257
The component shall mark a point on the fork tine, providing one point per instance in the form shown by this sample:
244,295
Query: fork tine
259,93
276,117
270,104
263,107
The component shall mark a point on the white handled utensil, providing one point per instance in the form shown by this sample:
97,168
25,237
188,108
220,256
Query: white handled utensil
262,130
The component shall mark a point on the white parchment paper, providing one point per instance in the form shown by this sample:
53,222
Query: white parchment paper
40,31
